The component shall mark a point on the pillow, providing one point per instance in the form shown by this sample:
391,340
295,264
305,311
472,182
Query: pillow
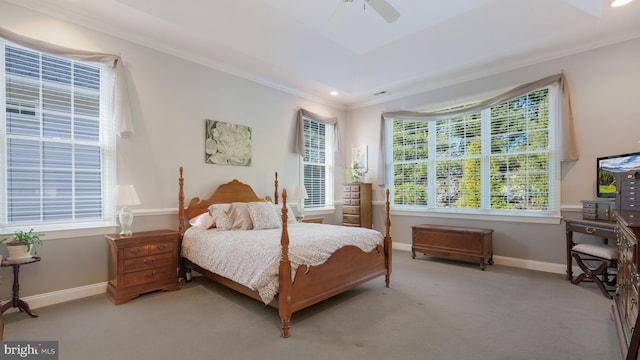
240,217
264,215
219,214
291,216
203,221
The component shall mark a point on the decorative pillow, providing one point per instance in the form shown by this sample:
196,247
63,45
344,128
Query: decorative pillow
240,217
291,216
222,219
264,215
203,221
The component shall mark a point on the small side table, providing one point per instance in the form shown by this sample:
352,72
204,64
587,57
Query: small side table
16,302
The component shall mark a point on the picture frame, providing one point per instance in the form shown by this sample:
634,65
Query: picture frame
227,144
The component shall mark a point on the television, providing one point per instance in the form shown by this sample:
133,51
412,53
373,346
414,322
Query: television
608,166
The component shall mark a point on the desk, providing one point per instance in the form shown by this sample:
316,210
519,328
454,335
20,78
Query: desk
603,229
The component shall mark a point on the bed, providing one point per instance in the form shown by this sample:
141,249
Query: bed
301,280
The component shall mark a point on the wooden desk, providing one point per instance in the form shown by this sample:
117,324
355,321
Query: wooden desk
603,229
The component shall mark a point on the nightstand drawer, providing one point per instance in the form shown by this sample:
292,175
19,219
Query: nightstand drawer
148,262
161,248
136,251
148,276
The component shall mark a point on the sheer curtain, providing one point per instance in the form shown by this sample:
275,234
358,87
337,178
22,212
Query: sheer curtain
122,107
568,149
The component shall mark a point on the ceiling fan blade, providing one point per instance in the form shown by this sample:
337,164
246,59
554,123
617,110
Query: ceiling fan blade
385,10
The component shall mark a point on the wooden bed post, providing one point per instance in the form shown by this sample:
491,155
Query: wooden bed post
181,204
181,269
275,194
284,274
387,241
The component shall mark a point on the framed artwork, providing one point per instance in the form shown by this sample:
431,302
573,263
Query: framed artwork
359,161
227,144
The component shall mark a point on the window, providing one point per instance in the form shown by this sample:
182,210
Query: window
499,160
317,164
56,151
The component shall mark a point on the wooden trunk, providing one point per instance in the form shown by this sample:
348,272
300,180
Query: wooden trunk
454,242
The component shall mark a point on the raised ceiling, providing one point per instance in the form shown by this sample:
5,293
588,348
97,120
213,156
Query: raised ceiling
312,47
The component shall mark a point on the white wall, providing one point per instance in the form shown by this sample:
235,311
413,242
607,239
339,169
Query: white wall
604,94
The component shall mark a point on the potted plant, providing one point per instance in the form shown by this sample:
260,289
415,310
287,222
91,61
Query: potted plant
22,243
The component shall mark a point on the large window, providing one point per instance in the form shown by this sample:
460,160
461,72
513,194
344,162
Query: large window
56,151
497,160
318,163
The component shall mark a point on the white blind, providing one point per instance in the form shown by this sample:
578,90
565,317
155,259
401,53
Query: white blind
56,140
502,159
315,163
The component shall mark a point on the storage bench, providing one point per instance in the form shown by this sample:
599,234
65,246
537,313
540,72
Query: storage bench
454,243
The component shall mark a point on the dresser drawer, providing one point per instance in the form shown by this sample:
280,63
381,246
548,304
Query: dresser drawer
149,276
351,220
351,210
148,262
595,230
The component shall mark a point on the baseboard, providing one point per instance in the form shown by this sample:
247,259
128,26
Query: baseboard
56,297
510,261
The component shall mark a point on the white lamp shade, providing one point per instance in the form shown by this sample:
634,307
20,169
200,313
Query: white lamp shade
300,193
126,195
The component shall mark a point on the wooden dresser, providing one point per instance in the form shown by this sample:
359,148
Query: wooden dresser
625,304
357,209
142,262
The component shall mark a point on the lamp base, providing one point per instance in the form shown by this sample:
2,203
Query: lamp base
126,219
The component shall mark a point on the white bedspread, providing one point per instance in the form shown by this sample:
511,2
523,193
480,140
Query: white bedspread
251,257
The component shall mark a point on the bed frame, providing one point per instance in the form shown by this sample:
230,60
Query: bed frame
347,268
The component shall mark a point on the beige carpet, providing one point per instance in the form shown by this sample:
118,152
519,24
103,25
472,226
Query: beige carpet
435,309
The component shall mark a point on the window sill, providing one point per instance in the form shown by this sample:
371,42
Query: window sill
540,219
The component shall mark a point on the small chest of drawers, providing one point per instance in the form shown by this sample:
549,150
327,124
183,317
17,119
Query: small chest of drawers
357,205
142,262
628,191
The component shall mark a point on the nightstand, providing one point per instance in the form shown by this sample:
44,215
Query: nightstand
312,220
142,262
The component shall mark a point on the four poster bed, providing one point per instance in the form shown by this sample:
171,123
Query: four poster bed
288,265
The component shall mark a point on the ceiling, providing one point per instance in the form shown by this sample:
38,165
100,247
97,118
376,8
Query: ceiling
312,47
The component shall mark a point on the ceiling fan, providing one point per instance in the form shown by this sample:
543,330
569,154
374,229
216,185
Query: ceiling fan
382,7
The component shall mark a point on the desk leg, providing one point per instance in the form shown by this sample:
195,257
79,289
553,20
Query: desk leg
569,260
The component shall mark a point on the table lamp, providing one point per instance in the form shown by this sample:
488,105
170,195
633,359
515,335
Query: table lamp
299,194
127,196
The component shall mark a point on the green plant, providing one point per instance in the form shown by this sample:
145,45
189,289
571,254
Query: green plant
27,238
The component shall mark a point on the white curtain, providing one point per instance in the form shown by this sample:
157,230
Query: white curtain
122,107
568,149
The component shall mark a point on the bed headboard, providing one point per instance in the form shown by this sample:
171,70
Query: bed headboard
233,191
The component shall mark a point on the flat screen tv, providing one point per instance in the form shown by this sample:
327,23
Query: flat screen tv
608,166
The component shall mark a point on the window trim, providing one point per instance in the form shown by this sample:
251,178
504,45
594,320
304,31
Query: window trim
107,141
